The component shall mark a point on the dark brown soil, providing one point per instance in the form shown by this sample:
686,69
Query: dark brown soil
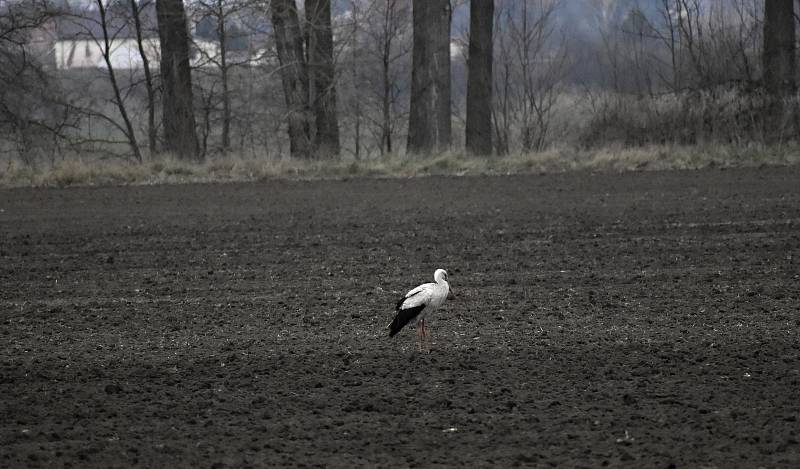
642,320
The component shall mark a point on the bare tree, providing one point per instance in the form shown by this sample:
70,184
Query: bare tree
352,65
180,135
105,48
35,118
219,11
289,44
429,123
779,47
206,98
148,76
395,19
321,76
223,13
230,43
479,85
373,55
531,62
224,70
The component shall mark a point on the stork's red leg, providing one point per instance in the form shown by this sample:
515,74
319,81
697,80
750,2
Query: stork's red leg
425,344
421,325
427,338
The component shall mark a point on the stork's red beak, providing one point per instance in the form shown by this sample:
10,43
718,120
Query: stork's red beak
451,294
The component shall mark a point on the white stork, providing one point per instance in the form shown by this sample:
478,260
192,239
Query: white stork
419,302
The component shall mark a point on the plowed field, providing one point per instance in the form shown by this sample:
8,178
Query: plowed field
639,319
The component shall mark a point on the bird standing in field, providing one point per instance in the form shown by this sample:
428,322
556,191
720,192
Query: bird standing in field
417,303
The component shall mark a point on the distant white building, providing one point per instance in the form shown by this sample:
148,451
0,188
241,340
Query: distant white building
125,55
88,53
76,42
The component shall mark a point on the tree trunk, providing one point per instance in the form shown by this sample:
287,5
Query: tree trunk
148,81
289,43
223,69
779,45
386,105
479,84
390,35
355,77
429,118
180,135
321,76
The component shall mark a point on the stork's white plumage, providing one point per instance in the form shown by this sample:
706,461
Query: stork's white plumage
417,303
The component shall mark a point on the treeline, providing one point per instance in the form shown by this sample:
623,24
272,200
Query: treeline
326,78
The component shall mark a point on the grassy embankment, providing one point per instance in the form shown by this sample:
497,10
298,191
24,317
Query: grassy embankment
80,172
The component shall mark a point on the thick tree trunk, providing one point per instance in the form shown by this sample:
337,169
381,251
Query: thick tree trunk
289,43
321,76
180,135
779,47
479,84
429,118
